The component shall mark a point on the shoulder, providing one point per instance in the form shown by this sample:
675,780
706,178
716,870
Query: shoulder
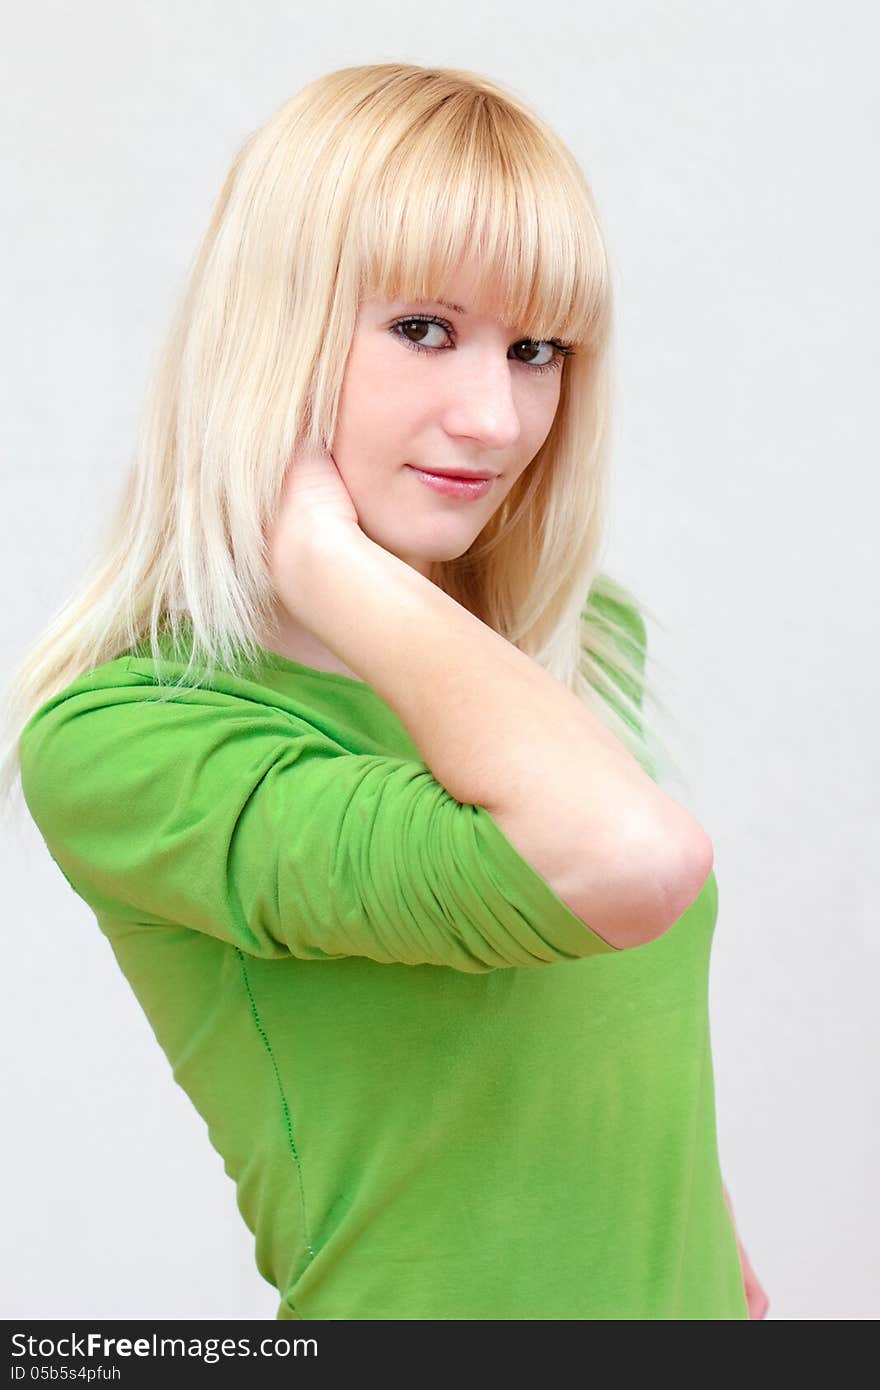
612,607
117,726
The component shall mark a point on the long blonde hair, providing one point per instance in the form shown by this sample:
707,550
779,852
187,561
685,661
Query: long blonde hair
375,179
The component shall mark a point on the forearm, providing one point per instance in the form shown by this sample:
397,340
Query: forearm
500,732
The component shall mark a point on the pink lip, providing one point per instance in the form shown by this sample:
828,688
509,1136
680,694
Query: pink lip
453,487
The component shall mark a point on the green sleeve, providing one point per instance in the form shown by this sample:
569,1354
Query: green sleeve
219,813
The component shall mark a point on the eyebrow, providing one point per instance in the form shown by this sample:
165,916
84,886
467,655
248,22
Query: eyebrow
456,308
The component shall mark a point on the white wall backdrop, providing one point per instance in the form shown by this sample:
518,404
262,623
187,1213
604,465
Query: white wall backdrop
732,152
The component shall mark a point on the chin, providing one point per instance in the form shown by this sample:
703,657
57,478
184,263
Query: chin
423,549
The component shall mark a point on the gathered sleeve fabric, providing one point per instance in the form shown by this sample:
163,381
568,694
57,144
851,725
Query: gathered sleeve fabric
237,818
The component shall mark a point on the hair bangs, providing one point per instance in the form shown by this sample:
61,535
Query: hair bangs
473,187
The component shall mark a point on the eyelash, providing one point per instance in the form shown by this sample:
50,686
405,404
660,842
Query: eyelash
563,350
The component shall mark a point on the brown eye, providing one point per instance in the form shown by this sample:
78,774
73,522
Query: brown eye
413,329
404,328
559,350
533,347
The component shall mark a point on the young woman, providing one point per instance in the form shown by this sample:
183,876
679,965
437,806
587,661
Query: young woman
342,740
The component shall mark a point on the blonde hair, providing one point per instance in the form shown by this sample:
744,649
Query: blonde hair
371,180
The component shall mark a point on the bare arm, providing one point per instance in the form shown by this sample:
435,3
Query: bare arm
498,731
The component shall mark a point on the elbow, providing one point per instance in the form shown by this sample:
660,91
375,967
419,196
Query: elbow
647,904
682,880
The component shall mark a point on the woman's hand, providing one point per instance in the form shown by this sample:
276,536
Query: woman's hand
756,1297
313,494
314,505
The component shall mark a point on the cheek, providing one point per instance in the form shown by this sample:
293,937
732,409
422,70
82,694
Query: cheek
534,431
363,436
370,422
537,421
544,407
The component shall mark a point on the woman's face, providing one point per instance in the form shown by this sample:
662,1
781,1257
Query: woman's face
432,386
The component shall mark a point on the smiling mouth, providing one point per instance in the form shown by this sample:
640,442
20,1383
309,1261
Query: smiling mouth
453,485
463,477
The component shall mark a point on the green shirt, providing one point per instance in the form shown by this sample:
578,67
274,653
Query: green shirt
440,1095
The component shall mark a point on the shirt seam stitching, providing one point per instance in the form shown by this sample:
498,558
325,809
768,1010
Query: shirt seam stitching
285,1107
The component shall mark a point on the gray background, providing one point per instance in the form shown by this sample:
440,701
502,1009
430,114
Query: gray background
732,152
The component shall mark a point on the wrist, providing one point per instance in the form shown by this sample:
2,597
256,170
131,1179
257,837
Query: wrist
305,577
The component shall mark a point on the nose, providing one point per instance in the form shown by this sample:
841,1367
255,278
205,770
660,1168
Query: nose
480,403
